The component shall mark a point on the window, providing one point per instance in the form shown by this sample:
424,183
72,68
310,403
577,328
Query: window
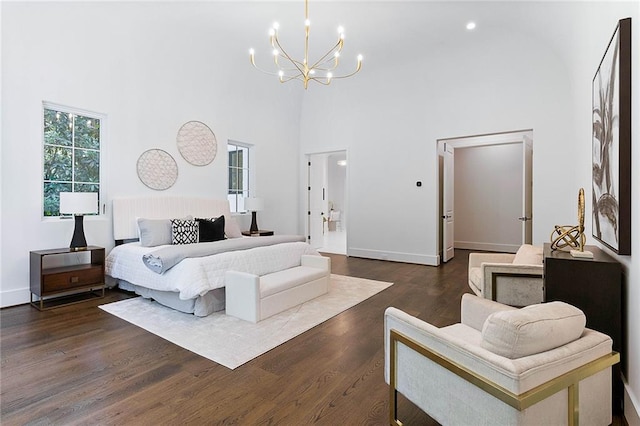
72,158
238,175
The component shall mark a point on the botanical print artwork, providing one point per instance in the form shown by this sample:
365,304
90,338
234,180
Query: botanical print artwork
606,145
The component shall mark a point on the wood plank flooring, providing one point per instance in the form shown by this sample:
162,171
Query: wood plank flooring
81,365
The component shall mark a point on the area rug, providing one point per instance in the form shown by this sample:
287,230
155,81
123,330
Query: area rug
231,341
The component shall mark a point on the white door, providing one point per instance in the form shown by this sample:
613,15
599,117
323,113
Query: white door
316,200
447,202
527,190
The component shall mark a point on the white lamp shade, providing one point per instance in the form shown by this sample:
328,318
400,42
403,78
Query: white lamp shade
78,202
253,204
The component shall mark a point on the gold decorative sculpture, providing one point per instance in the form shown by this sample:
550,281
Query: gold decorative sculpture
573,237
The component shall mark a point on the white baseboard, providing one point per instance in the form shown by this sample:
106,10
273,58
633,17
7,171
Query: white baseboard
631,408
14,297
420,259
475,245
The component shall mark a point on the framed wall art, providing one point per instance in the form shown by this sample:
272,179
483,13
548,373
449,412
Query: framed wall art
611,143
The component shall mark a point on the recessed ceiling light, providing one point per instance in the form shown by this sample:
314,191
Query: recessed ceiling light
471,25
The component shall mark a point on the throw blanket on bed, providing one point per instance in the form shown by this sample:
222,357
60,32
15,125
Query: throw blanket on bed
195,276
163,259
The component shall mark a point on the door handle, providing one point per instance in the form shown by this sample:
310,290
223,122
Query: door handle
524,218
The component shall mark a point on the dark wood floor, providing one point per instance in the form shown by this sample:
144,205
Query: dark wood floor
81,365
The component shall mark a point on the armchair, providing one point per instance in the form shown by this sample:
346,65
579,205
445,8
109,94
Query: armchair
512,279
501,365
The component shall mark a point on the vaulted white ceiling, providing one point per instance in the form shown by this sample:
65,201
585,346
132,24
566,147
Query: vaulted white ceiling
395,30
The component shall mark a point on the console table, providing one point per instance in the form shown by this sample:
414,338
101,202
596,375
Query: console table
595,287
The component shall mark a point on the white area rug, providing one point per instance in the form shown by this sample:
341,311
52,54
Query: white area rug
231,341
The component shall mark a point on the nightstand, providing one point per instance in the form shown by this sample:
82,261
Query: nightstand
260,233
69,280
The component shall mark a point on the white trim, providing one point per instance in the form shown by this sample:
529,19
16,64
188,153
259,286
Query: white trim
14,297
475,245
420,259
631,407
517,136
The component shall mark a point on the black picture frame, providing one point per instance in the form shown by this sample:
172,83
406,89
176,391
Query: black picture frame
611,143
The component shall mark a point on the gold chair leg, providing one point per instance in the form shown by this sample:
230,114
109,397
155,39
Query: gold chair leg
573,393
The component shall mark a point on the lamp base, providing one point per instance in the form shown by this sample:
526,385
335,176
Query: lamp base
78,241
254,223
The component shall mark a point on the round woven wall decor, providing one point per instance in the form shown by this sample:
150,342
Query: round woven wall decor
197,143
157,169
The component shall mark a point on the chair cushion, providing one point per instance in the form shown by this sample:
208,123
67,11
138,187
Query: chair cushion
288,278
532,329
528,255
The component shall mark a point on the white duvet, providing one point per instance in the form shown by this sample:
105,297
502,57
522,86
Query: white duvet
194,277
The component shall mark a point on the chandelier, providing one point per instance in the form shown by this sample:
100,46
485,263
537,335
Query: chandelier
320,71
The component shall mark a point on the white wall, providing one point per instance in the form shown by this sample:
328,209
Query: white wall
488,197
391,118
150,67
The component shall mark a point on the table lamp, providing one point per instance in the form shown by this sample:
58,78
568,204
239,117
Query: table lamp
78,204
253,205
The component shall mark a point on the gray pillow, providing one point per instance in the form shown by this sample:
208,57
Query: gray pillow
155,232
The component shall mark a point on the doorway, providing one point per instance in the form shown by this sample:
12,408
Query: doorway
486,190
327,202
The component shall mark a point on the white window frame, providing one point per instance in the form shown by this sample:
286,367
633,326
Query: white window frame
103,144
238,208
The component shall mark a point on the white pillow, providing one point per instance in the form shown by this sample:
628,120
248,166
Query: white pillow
155,232
231,228
528,255
532,329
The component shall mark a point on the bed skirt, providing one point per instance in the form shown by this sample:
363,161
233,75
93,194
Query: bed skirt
201,306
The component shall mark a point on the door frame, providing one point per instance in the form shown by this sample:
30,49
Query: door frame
307,204
522,136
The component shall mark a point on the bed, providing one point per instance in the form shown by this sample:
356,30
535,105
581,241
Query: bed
189,277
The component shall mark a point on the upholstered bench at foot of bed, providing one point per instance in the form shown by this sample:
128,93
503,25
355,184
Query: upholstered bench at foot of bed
253,298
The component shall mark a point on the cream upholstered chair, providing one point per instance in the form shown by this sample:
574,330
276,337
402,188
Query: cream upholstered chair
537,365
512,279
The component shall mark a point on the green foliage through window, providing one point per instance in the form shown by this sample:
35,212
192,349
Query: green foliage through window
71,156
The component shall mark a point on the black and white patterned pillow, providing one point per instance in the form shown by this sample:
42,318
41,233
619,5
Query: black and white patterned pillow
184,231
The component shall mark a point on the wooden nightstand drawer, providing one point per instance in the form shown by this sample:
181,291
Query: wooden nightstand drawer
78,277
66,284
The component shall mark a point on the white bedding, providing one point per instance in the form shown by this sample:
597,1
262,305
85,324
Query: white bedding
194,277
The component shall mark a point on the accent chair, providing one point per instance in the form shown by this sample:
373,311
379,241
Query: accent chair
500,365
512,279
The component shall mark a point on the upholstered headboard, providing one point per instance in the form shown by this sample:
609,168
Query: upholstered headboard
126,211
